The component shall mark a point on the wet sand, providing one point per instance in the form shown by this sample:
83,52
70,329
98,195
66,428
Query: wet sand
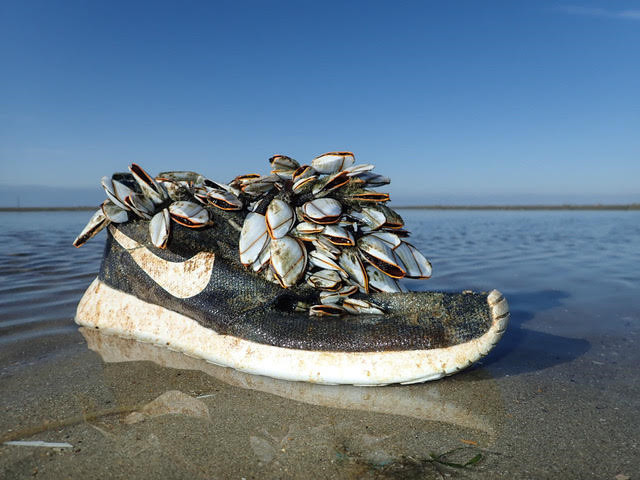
135,409
558,398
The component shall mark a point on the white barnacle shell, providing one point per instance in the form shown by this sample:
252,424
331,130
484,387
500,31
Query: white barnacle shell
332,182
356,306
222,186
391,239
186,176
160,228
253,238
302,184
189,214
242,181
334,296
392,219
96,223
173,188
113,212
223,199
149,186
371,179
326,310
325,280
359,169
415,264
333,162
305,228
268,275
263,258
178,184
256,186
288,260
326,246
200,193
305,237
322,211
352,264
279,218
378,254
140,205
348,290
116,191
283,166
370,196
338,235
303,171
307,231
321,259
371,217
348,223
328,297
381,282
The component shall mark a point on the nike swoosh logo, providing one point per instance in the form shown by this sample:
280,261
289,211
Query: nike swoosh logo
180,279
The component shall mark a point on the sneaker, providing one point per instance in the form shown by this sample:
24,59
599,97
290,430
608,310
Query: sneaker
294,275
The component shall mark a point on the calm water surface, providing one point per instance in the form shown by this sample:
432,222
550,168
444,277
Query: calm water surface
558,396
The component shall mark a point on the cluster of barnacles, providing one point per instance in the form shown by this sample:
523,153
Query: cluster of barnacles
320,223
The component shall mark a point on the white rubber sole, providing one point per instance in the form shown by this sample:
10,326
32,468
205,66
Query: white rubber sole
119,313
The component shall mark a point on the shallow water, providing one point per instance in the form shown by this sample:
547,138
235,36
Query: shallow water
558,397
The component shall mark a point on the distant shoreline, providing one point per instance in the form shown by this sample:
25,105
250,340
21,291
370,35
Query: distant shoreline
46,209
631,206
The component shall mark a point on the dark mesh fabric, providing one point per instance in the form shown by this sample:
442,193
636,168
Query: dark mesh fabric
240,303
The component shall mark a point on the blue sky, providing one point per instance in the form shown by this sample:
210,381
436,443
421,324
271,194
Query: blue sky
461,101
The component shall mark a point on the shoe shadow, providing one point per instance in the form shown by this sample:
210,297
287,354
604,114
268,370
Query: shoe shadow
441,402
522,350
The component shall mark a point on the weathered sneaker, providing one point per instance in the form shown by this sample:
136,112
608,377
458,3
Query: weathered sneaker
293,275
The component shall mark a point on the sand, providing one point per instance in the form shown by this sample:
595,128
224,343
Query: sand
540,406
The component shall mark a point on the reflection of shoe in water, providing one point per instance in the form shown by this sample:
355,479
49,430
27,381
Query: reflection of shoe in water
473,405
313,293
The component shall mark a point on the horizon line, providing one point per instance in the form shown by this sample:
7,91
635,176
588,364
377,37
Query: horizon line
596,206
